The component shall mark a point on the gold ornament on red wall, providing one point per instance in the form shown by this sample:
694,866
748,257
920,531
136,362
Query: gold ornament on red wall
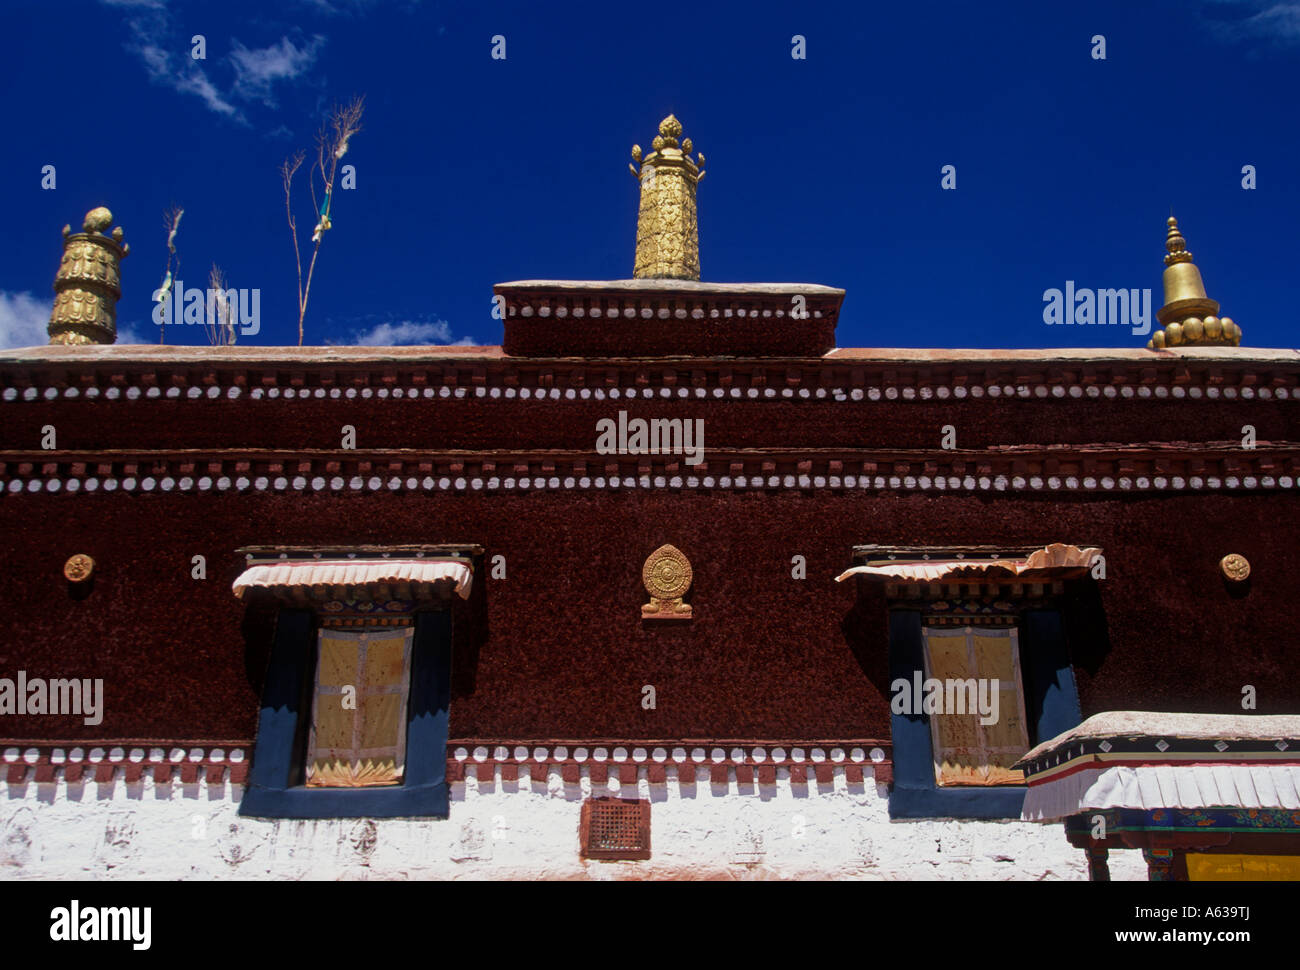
667,577
78,568
1235,567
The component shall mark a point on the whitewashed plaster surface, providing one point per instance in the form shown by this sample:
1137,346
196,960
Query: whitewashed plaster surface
517,830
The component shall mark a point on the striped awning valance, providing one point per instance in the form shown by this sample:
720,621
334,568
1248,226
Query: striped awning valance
1148,760
1056,561
1148,787
403,579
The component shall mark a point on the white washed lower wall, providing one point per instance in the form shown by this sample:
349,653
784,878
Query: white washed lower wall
523,829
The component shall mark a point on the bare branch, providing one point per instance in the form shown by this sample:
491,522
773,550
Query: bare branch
171,271
331,145
287,170
218,317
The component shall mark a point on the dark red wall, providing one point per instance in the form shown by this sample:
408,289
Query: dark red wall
639,337
558,648
484,423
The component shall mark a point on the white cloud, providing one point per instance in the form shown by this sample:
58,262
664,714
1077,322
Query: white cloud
23,318
407,332
257,70
154,39
1278,22
196,82
164,49
189,78
127,334
346,7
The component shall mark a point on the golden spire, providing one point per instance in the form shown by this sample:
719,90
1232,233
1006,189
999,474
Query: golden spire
88,283
1188,316
667,237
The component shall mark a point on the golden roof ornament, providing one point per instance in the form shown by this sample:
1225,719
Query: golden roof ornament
1189,317
88,283
78,568
1235,567
667,576
667,236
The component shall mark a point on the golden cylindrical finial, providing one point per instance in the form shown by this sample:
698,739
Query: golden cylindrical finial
1189,317
667,236
88,283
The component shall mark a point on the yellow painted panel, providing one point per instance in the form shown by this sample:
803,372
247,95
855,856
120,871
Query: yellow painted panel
338,660
958,754
379,720
333,723
1007,733
1221,867
384,662
993,657
947,655
957,732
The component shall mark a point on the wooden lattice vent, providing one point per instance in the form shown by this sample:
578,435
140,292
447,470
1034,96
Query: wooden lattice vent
615,828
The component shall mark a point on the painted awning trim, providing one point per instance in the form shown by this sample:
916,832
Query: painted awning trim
1145,729
340,574
1055,561
1148,787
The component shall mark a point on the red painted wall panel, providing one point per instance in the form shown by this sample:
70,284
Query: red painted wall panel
558,649
473,423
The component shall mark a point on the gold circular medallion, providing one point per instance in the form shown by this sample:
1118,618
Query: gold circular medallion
666,573
78,568
1235,567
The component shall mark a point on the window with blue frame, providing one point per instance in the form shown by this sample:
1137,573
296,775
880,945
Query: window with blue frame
961,770
353,723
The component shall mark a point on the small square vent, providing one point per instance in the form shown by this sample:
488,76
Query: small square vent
615,828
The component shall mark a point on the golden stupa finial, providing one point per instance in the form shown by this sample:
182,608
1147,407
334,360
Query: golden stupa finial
667,234
88,283
1175,244
1189,317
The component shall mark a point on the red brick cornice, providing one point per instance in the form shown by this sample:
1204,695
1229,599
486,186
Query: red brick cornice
251,374
1152,467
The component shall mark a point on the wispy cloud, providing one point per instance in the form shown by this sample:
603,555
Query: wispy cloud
1255,20
192,80
155,41
407,332
344,7
253,72
23,318
256,70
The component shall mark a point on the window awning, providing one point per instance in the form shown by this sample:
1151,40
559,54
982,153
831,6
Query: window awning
321,579
1052,562
1150,760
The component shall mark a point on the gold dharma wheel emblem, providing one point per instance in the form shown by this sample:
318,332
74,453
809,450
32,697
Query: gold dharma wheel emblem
1235,567
667,577
78,568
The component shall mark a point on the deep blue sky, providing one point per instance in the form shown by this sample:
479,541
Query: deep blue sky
473,171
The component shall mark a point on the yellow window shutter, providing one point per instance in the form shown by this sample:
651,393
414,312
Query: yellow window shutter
358,734
957,749
997,657
967,752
